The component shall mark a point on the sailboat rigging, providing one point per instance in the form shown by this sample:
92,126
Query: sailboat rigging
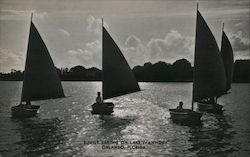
209,103
41,80
118,78
209,75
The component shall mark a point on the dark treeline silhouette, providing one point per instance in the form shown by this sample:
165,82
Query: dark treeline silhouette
180,71
79,73
241,71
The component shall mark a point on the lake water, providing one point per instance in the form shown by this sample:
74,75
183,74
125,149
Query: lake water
140,124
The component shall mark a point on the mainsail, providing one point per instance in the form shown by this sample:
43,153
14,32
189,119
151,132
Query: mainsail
41,80
209,73
227,57
118,78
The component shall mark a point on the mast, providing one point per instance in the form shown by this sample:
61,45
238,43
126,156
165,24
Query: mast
197,7
222,29
31,16
102,59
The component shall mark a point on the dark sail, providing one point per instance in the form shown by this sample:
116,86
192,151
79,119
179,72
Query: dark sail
41,80
209,73
227,57
118,78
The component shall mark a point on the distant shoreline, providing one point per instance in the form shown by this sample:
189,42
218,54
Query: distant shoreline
138,81
180,71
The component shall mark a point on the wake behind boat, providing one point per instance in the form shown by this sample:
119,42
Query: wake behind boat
118,78
41,80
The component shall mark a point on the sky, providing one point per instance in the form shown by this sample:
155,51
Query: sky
145,30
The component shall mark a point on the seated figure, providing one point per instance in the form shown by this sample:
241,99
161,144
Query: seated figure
98,98
28,104
211,100
180,108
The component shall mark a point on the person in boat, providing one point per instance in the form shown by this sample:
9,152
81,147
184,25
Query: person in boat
27,104
98,98
180,108
211,100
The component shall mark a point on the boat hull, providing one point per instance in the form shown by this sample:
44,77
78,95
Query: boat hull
105,108
211,108
185,116
21,111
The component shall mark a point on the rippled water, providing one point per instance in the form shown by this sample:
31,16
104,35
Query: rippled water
65,127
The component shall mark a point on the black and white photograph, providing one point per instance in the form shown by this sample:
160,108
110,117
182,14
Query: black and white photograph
118,78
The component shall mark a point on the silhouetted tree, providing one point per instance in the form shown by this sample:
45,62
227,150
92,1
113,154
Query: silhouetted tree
180,70
241,71
78,72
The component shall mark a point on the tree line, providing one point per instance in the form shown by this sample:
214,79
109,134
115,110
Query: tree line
180,71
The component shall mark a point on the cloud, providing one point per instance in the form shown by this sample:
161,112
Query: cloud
89,56
174,46
9,14
64,32
90,53
76,52
94,46
239,42
134,51
239,24
13,12
11,60
95,25
40,15
133,41
240,45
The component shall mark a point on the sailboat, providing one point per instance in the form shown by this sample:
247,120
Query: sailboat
227,59
41,80
118,78
209,79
